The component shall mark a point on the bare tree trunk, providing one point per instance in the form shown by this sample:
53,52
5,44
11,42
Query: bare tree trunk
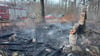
65,7
78,28
42,11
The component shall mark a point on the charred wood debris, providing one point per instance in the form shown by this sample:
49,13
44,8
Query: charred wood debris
44,40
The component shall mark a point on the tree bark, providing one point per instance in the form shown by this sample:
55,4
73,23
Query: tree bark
78,28
42,11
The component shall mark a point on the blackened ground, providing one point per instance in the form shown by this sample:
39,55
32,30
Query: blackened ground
50,39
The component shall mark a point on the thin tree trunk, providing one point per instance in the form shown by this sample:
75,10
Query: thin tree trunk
65,7
42,10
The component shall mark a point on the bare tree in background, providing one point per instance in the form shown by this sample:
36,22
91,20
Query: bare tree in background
42,10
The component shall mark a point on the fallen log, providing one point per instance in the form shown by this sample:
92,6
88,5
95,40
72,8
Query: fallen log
3,43
44,53
6,36
51,54
40,50
51,47
19,49
55,52
94,30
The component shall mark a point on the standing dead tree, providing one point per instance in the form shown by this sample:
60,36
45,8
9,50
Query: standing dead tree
77,32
